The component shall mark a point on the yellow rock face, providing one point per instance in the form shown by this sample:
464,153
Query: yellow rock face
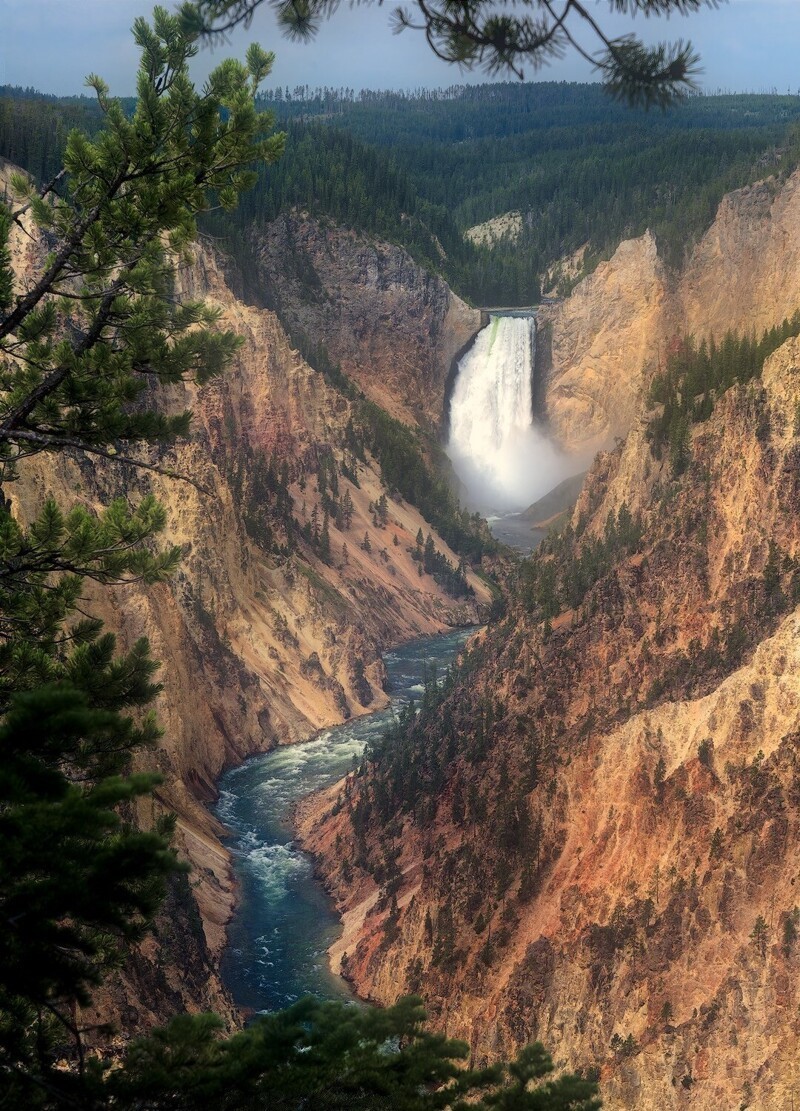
602,337
657,940
611,334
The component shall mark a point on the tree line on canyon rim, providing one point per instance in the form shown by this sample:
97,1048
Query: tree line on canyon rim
80,881
418,170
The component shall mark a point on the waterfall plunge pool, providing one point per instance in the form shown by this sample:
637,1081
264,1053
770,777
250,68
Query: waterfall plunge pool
284,922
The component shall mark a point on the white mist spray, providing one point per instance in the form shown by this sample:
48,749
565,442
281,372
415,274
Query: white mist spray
503,459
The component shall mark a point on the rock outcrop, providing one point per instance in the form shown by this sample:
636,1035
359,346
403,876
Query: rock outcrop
393,327
601,340
487,234
612,332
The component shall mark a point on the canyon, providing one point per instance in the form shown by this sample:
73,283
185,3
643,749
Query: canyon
615,784
259,646
592,839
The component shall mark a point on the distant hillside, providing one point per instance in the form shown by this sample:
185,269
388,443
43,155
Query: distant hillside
580,167
419,169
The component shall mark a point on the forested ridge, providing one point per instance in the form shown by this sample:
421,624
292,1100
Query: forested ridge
579,167
330,172
419,168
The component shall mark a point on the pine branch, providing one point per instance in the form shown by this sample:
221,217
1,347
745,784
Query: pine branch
45,284
44,442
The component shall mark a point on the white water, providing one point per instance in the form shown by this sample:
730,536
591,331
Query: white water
284,922
503,459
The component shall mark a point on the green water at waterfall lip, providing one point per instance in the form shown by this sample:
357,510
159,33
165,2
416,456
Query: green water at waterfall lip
284,922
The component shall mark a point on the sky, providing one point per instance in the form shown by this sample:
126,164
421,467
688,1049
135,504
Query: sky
51,45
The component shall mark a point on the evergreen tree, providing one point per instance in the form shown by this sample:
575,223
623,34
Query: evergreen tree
679,444
329,1056
76,883
772,578
6,279
124,210
78,346
347,509
325,539
760,935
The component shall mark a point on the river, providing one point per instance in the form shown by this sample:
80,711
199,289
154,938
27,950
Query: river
284,921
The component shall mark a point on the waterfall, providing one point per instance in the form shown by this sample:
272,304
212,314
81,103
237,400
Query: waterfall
504,460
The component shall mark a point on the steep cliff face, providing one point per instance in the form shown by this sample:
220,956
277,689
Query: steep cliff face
612,332
745,272
263,641
393,327
593,838
602,337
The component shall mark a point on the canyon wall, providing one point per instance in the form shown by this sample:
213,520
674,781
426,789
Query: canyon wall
602,340
612,332
393,327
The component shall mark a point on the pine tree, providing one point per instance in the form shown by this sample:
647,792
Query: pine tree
484,33
759,935
78,347
329,1056
6,280
429,554
679,444
76,883
325,539
347,509
772,578
659,775
126,209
